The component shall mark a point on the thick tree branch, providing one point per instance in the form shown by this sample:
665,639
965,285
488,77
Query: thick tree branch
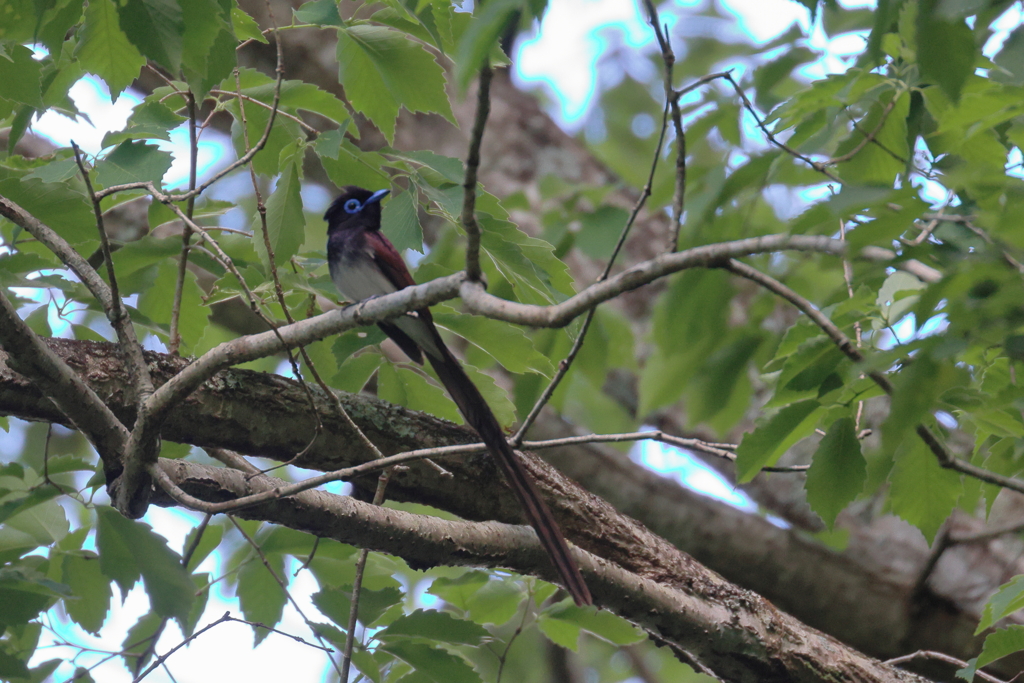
737,634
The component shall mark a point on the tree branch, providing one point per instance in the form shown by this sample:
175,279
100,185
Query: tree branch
735,633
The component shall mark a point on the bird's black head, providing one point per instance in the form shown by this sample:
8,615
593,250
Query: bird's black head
355,208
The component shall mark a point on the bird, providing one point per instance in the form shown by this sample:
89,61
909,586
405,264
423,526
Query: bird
364,264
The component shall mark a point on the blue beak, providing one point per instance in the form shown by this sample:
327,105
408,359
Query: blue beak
377,196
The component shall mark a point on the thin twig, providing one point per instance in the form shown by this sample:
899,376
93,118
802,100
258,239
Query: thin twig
483,109
566,363
816,165
261,210
357,583
870,137
939,656
174,340
669,58
284,588
115,299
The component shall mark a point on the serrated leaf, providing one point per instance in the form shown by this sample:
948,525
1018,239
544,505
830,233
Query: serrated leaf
295,96
202,20
432,625
322,12
837,472
400,222
562,623
505,342
245,27
382,70
945,50
150,120
105,50
56,171
408,388
490,20
129,549
21,77
1001,643
131,162
354,373
91,591
259,595
432,662
212,535
57,205
921,491
769,440
156,28
916,388
1007,600
285,220
336,603
484,600
156,305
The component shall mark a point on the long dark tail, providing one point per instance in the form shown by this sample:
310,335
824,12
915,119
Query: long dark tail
479,416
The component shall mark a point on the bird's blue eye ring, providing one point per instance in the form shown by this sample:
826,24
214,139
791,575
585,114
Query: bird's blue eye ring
353,206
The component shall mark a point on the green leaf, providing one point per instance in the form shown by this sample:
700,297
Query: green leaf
432,625
563,621
57,171
383,70
837,472
1007,600
36,516
156,305
20,75
875,164
770,439
295,96
921,491
285,220
128,549
434,663
131,162
346,164
202,20
1001,643
150,120
11,667
139,640
322,12
484,600
104,49
400,222
354,373
336,603
156,28
505,342
88,608
57,205
916,389
212,535
945,49
246,27
528,263
260,596
490,21
408,388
